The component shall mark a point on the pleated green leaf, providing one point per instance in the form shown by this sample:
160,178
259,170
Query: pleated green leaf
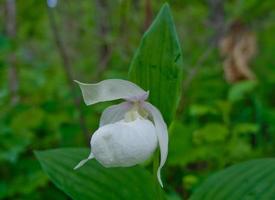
157,64
93,181
253,180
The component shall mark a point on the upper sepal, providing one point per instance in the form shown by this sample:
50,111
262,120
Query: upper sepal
111,89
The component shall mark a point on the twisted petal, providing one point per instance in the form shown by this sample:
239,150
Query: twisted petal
114,113
162,135
82,162
111,89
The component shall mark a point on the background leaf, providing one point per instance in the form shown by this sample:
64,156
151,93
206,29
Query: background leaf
240,90
93,181
249,180
157,65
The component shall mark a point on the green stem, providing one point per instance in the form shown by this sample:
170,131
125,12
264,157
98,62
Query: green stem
155,170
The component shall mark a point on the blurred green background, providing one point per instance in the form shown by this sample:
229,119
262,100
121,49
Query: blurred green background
43,49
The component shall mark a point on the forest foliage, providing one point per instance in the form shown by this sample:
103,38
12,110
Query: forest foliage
217,97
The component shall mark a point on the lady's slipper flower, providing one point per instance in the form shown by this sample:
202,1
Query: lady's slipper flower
129,132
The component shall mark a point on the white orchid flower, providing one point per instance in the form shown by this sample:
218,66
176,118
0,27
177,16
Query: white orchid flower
129,132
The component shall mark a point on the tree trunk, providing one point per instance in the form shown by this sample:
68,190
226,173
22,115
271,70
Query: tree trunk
216,19
68,69
11,59
148,14
103,31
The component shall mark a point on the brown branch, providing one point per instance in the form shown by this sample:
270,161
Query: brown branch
217,22
192,74
11,33
67,68
197,66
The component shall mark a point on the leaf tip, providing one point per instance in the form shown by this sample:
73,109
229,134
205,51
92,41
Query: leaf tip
165,8
166,5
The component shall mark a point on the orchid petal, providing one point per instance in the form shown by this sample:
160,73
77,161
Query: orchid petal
82,162
162,135
114,113
111,89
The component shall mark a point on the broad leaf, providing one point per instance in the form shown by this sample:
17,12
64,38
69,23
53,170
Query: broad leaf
251,180
157,64
93,181
180,144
